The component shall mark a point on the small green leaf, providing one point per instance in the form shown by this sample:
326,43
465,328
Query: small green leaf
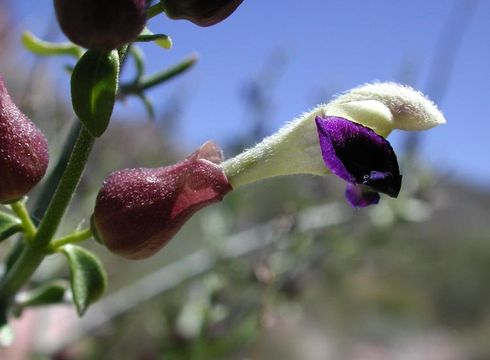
94,83
49,293
44,48
161,40
9,225
87,276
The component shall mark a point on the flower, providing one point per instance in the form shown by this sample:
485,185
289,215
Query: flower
200,12
138,211
345,137
102,25
24,153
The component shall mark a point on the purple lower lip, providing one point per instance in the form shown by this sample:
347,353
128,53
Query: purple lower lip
359,156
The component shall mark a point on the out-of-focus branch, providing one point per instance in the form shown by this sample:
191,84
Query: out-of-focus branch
198,263
447,48
443,59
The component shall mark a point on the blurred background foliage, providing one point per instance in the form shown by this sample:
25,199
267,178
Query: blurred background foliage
281,270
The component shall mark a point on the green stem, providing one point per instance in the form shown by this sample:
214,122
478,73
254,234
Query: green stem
155,10
19,208
42,202
73,238
64,192
32,255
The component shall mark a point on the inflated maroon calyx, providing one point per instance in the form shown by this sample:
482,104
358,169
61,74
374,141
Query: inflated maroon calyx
200,12
24,152
101,24
138,211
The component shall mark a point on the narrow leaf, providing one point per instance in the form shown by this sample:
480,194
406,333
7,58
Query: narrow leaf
94,85
87,276
45,48
150,81
161,40
9,225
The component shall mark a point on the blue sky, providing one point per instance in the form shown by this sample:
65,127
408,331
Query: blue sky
329,46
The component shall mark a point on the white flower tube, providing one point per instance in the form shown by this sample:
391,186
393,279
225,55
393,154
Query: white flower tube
295,148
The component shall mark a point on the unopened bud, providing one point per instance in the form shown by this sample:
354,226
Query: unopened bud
23,150
200,12
101,24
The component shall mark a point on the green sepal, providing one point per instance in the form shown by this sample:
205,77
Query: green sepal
52,292
9,225
87,276
161,40
94,84
44,48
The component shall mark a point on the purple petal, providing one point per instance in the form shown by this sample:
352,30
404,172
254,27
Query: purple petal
361,195
358,155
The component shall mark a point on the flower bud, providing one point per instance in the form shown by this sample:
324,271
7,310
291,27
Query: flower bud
101,24
138,211
23,150
200,12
